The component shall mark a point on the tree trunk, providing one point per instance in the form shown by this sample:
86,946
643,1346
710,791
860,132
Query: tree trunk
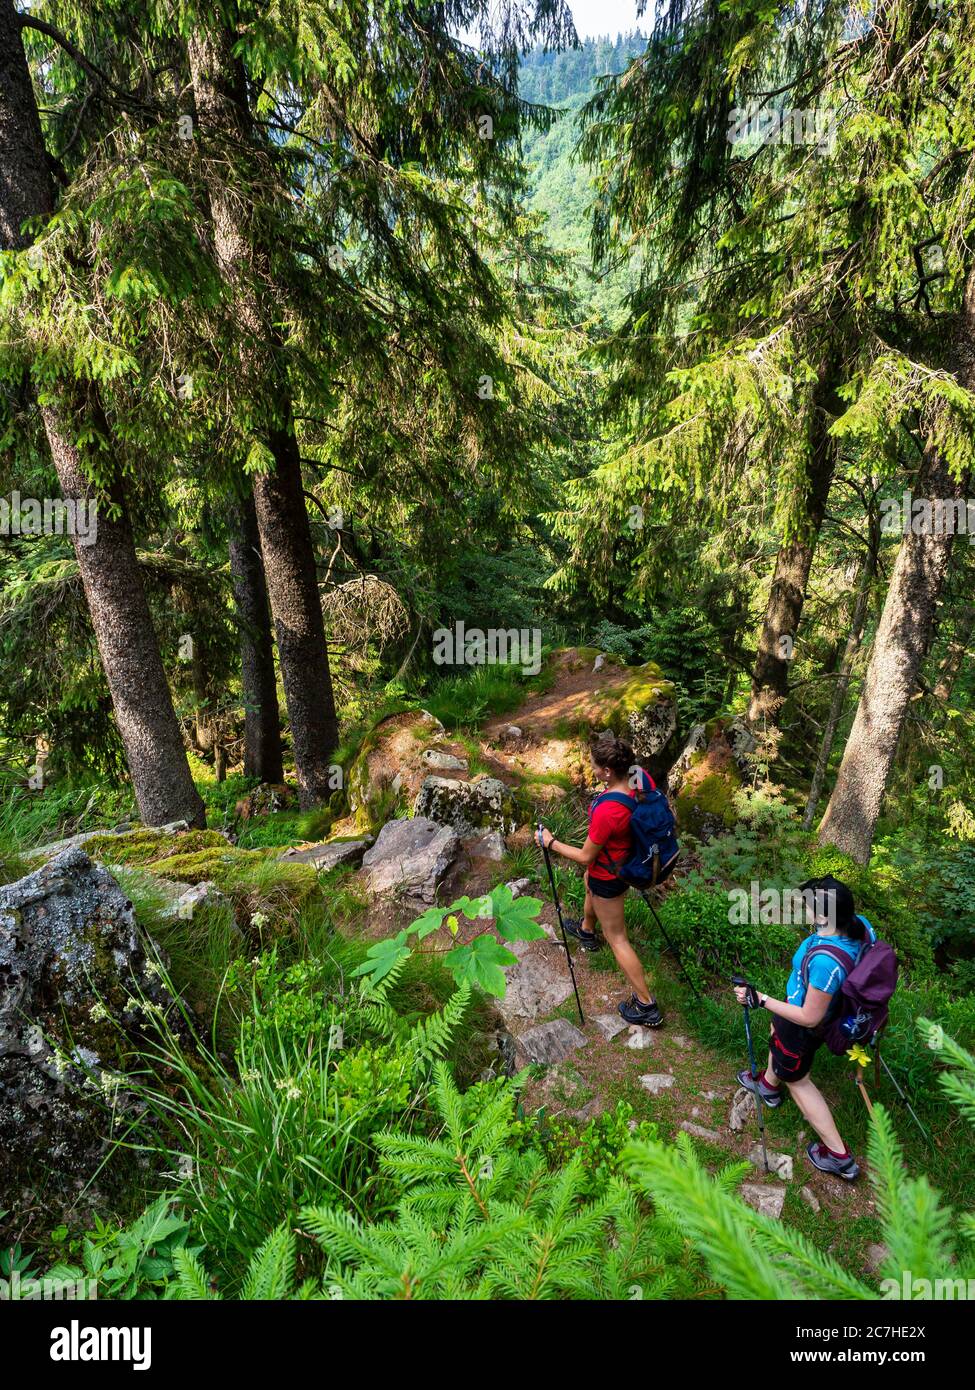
282,518
793,564
129,651
109,567
262,730
900,646
858,620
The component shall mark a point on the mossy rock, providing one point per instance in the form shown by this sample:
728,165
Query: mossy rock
388,770
254,880
647,687
706,806
587,656
142,847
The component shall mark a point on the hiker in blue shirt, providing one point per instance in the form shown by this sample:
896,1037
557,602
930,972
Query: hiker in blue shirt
812,991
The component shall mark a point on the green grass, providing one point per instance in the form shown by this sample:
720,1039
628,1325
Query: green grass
470,698
34,818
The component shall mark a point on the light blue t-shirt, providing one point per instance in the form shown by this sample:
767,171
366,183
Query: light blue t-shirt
824,972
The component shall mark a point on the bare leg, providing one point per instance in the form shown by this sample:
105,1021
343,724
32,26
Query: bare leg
609,912
812,1103
589,918
770,1077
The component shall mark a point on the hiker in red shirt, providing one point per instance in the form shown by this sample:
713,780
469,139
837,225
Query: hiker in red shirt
607,846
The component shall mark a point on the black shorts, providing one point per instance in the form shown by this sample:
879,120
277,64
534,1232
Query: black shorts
793,1049
606,887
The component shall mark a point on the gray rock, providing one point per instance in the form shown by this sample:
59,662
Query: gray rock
811,1200
779,1164
876,1256
651,729
680,1041
488,846
467,807
443,762
511,733
742,741
696,743
189,902
550,1042
610,1025
538,984
656,1082
709,1136
639,1038
590,1110
742,1110
517,886
768,1200
410,858
328,855
79,990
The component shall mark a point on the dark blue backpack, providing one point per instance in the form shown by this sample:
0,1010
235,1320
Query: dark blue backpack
654,848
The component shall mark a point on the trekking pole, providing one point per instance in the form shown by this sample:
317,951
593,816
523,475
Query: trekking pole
883,1063
740,981
673,949
558,910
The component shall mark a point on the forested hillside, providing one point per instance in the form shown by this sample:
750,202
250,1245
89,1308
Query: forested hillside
560,183
487,717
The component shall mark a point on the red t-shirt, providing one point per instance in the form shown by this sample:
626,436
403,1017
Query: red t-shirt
609,826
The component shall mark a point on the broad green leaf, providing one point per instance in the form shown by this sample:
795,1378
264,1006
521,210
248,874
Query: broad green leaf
381,957
515,917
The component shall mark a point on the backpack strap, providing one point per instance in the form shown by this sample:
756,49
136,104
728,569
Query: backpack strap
620,799
826,948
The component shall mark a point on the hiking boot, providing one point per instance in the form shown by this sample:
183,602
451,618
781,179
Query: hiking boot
647,1015
821,1158
770,1095
587,939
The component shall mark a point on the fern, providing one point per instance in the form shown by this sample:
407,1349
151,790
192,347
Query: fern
271,1272
192,1281
431,1036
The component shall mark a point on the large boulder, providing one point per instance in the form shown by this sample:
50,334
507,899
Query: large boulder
80,991
642,709
390,766
708,773
410,859
467,807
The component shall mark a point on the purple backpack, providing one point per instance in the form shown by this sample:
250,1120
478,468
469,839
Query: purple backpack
860,1006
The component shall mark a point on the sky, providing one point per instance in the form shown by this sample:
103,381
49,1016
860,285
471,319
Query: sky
607,17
